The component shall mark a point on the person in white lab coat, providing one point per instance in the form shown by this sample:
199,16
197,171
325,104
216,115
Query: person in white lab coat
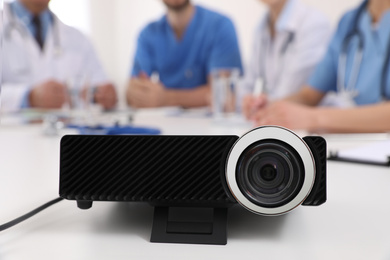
290,41
42,57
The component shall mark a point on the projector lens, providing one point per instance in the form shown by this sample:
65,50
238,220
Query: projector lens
270,173
270,170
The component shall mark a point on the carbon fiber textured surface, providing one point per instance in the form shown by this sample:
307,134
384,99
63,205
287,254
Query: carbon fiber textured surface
318,195
156,169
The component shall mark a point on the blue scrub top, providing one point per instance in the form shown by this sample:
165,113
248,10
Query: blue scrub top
209,42
376,41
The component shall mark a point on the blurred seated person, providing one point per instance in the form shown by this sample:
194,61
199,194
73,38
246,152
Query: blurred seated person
41,55
356,67
176,55
289,42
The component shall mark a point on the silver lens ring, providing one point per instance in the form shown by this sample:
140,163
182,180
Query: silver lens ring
277,133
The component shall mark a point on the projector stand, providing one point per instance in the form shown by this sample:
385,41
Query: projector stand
189,225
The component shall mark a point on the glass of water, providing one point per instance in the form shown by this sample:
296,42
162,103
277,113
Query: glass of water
225,94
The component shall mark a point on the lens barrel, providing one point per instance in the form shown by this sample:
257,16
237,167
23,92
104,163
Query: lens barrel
270,170
270,173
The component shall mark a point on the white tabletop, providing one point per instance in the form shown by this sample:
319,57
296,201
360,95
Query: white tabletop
353,224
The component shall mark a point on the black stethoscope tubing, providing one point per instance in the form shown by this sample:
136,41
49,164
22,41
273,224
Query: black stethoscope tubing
356,32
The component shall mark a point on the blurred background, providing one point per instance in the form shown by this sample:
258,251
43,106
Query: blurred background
114,25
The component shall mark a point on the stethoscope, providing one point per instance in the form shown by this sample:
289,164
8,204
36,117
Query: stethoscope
14,24
349,89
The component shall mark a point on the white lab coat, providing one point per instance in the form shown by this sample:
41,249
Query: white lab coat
285,63
67,57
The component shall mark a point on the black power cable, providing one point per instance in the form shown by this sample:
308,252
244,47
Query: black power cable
30,214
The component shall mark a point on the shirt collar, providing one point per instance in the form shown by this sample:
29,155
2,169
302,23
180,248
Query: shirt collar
382,26
21,12
285,20
26,16
366,19
190,27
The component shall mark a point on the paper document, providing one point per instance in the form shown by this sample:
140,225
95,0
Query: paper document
378,152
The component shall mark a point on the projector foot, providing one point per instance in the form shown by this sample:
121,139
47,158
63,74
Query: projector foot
189,225
84,204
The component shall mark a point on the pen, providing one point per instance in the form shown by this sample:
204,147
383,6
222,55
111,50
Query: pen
258,90
259,87
155,77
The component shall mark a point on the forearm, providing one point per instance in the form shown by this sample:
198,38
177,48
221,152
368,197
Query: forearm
196,97
306,96
364,119
297,98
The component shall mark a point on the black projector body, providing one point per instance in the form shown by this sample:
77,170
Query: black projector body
269,171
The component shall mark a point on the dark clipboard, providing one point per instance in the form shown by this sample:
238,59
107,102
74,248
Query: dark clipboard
334,156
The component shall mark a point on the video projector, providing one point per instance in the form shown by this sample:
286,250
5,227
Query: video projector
269,171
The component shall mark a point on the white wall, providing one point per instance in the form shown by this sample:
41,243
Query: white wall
73,12
113,25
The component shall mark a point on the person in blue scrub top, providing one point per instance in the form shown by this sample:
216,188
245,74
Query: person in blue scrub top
176,54
356,67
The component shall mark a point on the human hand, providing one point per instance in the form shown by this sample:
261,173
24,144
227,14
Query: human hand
106,96
142,92
251,104
287,114
48,95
